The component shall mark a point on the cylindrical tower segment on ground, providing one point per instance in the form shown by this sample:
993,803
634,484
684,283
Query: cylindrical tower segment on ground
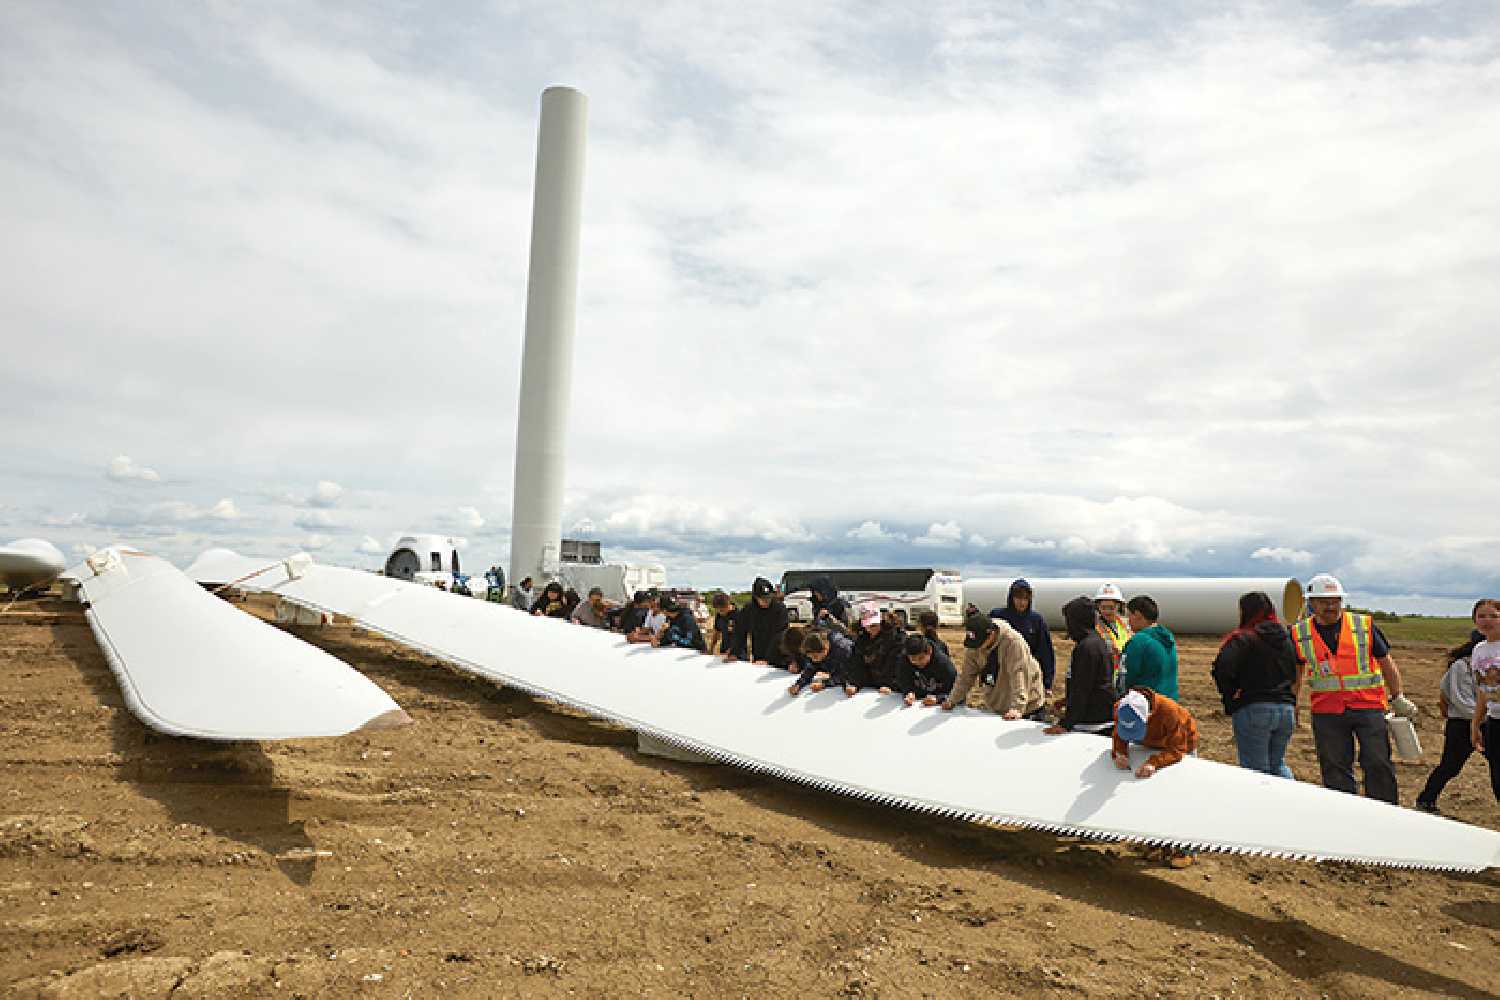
1206,605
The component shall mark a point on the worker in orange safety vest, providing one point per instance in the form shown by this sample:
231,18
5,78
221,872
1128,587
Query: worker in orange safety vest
1346,664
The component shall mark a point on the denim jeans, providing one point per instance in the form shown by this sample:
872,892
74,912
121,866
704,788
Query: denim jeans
1335,733
1262,730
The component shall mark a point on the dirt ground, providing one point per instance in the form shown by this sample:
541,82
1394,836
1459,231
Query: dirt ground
501,847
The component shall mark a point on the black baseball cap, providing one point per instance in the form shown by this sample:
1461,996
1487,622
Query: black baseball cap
762,587
977,628
916,645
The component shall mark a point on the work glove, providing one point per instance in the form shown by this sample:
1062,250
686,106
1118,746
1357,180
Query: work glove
1402,705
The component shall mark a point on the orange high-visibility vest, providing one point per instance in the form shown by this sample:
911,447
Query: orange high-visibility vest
1348,678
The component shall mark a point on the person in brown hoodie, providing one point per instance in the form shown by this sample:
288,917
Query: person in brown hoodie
1157,723
1017,692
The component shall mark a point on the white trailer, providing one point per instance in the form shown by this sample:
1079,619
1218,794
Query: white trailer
619,581
908,592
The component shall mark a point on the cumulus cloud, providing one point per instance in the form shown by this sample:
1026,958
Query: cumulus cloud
945,535
647,515
371,546
1141,528
319,521
164,513
1020,543
122,468
1457,566
314,542
325,494
65,520
872,531
1282,554
470,518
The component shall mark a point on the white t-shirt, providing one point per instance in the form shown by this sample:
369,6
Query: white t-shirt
1485,662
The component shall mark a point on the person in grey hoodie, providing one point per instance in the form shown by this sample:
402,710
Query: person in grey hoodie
521,595
1456,697
1150,657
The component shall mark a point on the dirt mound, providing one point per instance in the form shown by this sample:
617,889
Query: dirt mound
501,847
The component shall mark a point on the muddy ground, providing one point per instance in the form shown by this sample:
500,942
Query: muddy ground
501,847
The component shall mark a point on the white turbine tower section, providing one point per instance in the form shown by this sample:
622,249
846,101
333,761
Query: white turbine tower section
1189,605
551,313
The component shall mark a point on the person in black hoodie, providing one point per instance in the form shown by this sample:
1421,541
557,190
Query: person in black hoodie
1256,673
550,602
927,625
1090,704
878,654
721,636
634,616
681,630
1019,613
927,673
758,627
826,603
823,652
791,646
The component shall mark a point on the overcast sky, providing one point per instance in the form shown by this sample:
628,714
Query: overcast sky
1145,288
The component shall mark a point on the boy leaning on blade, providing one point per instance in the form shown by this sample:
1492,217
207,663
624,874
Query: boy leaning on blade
1158,723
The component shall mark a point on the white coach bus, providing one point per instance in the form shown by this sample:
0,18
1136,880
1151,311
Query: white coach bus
908,592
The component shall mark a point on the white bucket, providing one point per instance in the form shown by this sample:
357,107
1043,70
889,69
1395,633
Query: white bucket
1404,735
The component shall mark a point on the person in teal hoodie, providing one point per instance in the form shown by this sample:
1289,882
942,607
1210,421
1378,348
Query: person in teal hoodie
1150,656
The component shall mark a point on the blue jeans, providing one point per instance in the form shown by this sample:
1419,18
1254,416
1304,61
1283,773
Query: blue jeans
1262,730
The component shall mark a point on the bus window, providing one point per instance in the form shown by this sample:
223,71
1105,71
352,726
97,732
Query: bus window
859,580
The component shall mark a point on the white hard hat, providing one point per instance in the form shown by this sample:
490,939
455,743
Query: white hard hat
1109,592
1325,585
